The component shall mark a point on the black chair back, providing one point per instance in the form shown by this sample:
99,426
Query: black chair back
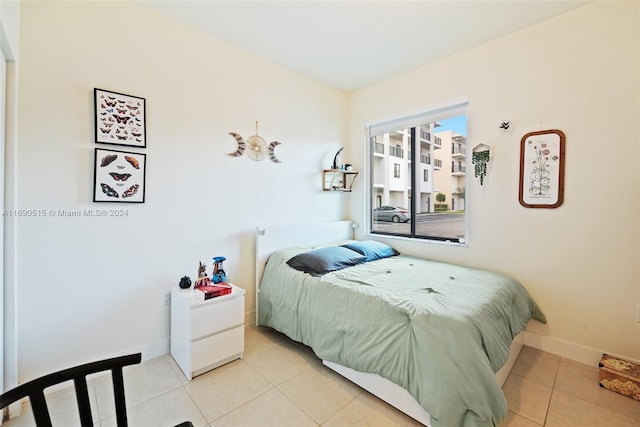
34,389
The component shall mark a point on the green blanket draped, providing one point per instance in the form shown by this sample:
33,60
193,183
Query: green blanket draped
440,331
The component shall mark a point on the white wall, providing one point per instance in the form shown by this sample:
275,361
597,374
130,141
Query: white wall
578,72
9,28
9,46
90,287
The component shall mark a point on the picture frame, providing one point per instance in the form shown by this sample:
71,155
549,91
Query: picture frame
542,169
119,176
120,119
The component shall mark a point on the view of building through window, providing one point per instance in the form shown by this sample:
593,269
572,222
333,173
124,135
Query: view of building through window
418,180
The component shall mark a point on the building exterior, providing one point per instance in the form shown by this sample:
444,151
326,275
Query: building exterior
450,180
441,168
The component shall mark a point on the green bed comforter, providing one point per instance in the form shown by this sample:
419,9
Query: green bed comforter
440,331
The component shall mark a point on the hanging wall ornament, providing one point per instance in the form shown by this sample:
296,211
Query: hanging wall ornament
505,126
481,154
256,147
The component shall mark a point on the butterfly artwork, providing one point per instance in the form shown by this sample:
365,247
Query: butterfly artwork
505,126
132,161
110,192
130,191
119,176
107,160
127,111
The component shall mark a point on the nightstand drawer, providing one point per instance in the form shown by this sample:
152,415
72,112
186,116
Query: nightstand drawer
217,347
214,316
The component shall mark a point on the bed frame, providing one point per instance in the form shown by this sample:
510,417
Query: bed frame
304,234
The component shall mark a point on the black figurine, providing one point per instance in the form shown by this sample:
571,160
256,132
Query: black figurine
185,282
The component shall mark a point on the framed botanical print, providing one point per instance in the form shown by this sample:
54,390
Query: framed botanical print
542,169
120,119
119,176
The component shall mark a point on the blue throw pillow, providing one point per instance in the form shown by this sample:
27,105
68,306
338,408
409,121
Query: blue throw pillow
324,260
372,249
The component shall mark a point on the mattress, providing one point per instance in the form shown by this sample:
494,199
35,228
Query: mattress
438,330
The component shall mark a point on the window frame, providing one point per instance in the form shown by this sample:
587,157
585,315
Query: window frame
410,120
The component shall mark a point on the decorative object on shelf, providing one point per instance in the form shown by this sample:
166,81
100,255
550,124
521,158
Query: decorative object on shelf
338,179
218,274
335,160
480,156
119,176
119,119
203,279
255,146
542,169
505,126
185,282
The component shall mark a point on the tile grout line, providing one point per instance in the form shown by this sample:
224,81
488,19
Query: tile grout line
553,390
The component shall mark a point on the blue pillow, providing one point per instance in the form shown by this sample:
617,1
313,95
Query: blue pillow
372,249
324,260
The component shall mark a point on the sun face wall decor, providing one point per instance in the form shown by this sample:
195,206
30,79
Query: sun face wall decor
255,146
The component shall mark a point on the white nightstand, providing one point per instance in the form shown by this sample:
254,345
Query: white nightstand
206,334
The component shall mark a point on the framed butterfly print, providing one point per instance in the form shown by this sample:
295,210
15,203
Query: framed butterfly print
119,176
120,119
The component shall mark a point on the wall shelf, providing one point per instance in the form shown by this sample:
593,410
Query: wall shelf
338,180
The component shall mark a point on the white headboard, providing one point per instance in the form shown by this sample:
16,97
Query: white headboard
268,240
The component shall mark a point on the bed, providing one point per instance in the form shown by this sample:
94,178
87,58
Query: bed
435,340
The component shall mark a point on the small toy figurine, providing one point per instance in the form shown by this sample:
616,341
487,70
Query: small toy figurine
202,279
218,274
185,282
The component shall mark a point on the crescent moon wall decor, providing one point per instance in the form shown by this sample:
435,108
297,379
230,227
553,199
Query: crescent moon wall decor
241,145
272,155
258,150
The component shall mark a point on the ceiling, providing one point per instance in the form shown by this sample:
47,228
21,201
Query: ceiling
352,44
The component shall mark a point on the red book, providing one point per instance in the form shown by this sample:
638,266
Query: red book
212,291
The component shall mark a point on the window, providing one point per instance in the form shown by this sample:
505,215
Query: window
414,205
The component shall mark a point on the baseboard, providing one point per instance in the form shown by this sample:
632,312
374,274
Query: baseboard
250,318
150,350
567,349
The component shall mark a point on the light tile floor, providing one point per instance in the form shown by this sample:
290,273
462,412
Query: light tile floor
280,383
